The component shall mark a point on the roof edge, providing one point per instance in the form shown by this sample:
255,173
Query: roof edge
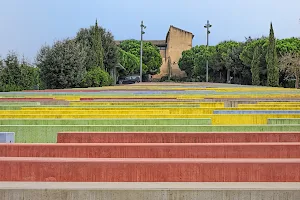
171,26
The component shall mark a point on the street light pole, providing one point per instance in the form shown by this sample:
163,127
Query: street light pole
207,26
141,56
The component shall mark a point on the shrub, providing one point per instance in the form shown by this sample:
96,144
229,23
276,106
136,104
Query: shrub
97,77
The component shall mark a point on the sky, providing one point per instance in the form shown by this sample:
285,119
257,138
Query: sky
26,25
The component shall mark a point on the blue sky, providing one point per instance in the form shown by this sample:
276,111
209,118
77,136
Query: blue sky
28,24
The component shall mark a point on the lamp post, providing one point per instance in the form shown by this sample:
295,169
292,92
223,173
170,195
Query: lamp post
141,59
207,26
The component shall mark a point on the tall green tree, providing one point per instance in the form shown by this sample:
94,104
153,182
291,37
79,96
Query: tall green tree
110,49
193,61
151,56
288,45
130,62
97,48
272,61
255,67
234,65
12,72
16,76
30,76
85,37
186,62
62,65
222,66
247,56
1,63
202,54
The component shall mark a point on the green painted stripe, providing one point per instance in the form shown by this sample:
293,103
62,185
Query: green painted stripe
284,121
48,134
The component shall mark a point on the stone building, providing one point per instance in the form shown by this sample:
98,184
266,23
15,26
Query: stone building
177,41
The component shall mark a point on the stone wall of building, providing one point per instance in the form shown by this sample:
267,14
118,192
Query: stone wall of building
177,41
163,53
164,66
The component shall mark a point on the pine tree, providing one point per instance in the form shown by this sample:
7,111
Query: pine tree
97,47
272,61
255,67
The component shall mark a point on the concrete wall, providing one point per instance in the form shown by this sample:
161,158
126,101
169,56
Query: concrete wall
146,195
181,191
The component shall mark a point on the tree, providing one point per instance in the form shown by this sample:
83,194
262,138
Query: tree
130,62
255,67
233,64
272,61
97,47
193,61
16,76
290,63
223,65
247,56
186,62
62,65
12,72
110,49
30,76
1,64
202,54
151,56
85,37
287,45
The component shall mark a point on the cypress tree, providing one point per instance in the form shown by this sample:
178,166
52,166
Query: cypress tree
97,47
255,67
272,61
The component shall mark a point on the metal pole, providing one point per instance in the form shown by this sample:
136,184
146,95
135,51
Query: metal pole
207,26
141,56
207,43
207,62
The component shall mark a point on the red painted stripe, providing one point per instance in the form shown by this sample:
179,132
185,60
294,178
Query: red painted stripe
149,170
151,137
153,150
